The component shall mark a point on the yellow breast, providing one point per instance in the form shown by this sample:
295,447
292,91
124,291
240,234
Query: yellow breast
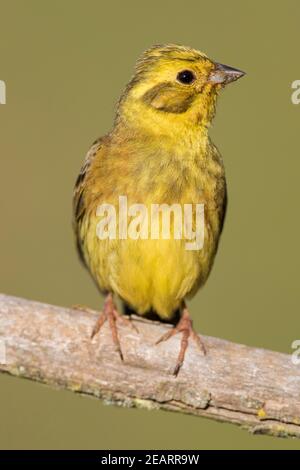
154,273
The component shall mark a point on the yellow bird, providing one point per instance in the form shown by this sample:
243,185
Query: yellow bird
158,153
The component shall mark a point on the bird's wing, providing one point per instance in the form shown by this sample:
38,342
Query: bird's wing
221,193
78,196
223,209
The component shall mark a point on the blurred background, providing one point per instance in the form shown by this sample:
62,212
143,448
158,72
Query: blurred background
65,64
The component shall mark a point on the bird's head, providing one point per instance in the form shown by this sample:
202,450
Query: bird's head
174,85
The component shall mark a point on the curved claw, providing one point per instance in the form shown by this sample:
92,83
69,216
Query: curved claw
185,327
109,314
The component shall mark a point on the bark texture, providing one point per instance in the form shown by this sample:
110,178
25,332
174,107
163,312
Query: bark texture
254,388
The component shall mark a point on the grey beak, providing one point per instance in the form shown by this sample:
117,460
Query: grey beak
224,74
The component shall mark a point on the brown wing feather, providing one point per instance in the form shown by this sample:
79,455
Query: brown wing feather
78,195
223,209
221,192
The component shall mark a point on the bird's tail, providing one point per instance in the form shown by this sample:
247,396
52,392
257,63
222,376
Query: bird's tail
150,315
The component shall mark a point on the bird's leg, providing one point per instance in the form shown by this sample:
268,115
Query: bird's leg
111,314
185,327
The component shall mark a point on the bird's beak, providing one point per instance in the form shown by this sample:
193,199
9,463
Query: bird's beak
223,74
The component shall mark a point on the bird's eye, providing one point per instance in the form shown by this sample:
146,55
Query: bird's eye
186,76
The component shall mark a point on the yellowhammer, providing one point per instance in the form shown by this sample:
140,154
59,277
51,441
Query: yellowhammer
158,152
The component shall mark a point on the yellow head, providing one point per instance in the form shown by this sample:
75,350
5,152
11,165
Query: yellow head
174,85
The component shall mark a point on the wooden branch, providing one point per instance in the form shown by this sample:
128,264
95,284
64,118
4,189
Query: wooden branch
255,388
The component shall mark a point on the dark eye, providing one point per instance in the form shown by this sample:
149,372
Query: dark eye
186,77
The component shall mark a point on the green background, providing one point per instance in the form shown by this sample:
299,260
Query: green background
65,64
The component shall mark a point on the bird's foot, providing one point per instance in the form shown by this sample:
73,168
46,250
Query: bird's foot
111,314
185,327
